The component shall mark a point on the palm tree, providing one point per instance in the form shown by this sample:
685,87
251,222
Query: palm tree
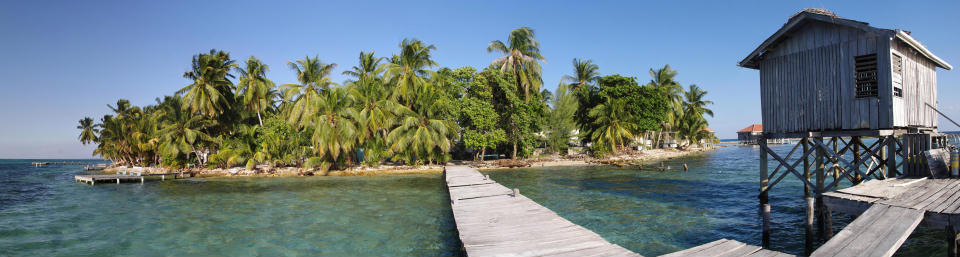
253,85
407,71
584,74
211,90
522,56
183,133
424,132
663,80
693,124
336,130
88,131
122,109
611,131
314,77
369,67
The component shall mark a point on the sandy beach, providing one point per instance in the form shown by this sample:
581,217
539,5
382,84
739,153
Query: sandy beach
647,156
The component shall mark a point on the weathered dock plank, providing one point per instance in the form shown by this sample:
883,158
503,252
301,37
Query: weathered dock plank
938,198
726,248
494,220
879,231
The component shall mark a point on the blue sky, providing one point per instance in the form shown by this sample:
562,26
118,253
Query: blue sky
63,60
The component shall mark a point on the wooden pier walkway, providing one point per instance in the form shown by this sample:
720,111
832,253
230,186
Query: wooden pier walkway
494,220
889,212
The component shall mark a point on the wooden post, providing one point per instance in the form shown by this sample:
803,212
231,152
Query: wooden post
808,240
808,228
951,241
891,161
825,222
856,156
516,192
764,199
836,165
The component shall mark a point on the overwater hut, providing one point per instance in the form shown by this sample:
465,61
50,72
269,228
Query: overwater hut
750,134
834,82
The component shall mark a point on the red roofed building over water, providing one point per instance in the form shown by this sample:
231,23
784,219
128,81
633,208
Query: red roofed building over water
750,134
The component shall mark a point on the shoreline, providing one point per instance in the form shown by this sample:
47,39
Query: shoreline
624,160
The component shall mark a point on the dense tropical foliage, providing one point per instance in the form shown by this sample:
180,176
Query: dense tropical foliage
396,109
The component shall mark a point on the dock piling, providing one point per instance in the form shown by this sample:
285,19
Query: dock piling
952,241
764,199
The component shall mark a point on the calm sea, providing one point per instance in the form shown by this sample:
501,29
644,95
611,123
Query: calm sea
43,212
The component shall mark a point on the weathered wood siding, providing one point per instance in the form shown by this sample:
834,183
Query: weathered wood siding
919,88
807,81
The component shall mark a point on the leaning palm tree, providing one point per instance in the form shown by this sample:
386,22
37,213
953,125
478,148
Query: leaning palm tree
211,90
88,131
257,91
584,74
522,56
313,77
611,129
408,70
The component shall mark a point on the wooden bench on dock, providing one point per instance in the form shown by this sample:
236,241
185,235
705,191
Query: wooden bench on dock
494,220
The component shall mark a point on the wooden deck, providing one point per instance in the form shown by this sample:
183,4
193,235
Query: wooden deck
939,199
494,220
727,248
879,231
889,212
117,178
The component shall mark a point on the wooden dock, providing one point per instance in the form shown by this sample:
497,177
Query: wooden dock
889,210
118,178
494,220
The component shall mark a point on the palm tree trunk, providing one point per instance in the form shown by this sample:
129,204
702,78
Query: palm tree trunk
259,118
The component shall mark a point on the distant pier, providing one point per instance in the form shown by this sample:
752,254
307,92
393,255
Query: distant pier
122,178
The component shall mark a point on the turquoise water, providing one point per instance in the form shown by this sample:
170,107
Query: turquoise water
44,213
658,212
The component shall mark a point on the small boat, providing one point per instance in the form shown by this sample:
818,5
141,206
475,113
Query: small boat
38,164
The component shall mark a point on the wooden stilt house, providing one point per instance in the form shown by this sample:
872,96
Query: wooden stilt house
861,100
823,73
